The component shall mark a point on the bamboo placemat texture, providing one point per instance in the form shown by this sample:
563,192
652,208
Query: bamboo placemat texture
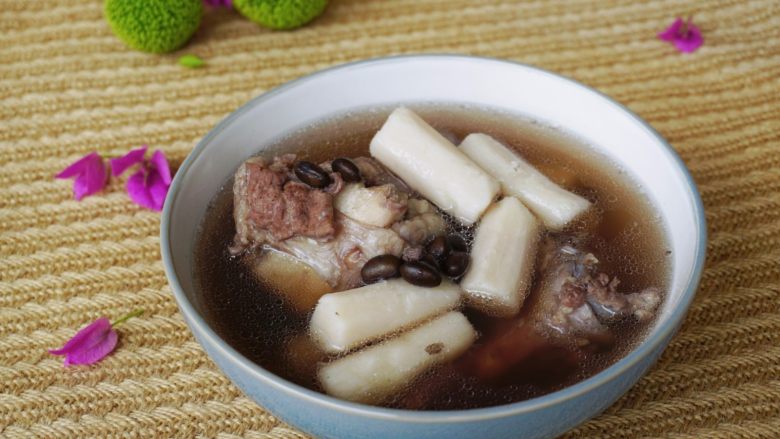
69,87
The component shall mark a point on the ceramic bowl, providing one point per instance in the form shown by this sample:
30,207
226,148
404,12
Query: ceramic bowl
549,98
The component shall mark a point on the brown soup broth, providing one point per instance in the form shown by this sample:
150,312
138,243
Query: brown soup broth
628,239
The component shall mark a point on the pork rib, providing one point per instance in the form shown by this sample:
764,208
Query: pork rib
269,206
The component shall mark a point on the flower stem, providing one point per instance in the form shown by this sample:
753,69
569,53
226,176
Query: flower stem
128,316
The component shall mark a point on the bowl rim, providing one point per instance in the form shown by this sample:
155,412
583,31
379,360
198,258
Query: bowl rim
648,346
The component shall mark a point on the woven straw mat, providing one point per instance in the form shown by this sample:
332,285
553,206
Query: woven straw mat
70,87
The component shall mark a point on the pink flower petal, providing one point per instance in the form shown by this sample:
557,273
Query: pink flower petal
78,166
119,164
93,342
160,163
690,42
91,181
90,173
138,191
158,189
94,352
685,36
80,187
149,185
671,32
87,336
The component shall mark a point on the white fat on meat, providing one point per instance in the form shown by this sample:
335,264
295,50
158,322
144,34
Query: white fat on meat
378,206
339,261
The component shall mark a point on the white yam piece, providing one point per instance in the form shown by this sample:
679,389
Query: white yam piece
378,206
554,205
433,166
502,259
347,319
375,373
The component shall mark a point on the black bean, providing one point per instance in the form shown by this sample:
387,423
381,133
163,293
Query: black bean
439,248
455,264
312,174
380,267
348,170
457,243
420,274
430,260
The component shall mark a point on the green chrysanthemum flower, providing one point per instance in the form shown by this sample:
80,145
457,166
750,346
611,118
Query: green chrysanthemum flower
280,14
154,25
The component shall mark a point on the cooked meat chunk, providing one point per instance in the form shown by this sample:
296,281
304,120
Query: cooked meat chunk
644,303
378,206
269,206
423,222
565,292
334,230
339,260
375,174
575,307
418,206
579,300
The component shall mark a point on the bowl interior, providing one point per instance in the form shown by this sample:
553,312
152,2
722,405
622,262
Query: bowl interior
500,85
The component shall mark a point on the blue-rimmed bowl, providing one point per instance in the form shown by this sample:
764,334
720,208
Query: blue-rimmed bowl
551,99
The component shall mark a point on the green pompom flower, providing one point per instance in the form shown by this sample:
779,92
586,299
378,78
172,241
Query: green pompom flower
280,14
155,26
